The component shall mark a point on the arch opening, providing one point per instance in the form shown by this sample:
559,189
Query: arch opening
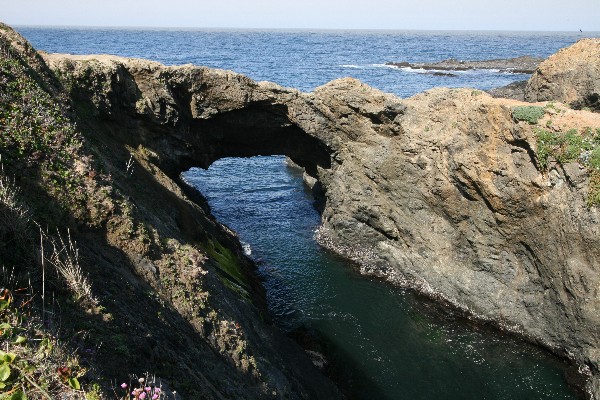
256,130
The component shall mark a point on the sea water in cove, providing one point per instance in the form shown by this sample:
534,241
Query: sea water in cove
383,343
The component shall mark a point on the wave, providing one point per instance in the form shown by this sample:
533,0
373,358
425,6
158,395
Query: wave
247,249
366,66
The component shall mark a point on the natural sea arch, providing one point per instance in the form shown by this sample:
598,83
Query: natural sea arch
190,116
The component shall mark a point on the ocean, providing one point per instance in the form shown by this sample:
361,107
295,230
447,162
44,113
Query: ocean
382,342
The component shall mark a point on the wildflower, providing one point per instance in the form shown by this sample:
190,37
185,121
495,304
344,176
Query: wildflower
148,388
155,396
142,395
141,380
157,390
124,385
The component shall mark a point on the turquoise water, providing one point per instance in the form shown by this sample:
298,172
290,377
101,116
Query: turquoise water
384,343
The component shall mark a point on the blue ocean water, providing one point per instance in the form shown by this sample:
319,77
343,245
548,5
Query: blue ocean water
307,59
383,342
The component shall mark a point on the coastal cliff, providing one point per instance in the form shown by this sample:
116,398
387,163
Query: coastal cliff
126,276
489,205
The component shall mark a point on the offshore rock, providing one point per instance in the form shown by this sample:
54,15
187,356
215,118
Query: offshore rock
440,192
518,65
571,76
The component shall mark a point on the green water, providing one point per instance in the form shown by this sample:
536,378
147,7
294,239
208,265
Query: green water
382,342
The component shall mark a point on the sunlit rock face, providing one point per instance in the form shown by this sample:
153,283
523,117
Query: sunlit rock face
571,76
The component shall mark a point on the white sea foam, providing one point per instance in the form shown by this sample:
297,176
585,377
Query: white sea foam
247,249
352,66
367,66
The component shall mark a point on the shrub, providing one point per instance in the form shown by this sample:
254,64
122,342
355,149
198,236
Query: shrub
594,190
530,114
572,146
15,238
33,363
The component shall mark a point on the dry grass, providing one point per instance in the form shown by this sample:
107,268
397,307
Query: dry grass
64,257
15,235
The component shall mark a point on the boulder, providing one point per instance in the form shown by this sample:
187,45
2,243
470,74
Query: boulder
571,76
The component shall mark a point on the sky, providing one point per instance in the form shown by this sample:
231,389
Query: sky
547,15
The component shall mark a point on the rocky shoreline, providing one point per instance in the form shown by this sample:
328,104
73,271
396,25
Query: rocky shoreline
449,192
518,65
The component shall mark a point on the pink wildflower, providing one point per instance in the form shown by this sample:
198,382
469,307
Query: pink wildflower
155,396
142,395
124,385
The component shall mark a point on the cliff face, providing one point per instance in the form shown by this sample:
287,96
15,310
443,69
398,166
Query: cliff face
443,192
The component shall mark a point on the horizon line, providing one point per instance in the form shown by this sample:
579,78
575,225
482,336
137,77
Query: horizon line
226,28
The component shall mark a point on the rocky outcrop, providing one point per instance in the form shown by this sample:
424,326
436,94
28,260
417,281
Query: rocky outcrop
515,91
571,76
518,65
441,192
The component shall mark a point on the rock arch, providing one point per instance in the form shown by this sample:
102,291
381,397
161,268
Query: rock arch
192,116
438,192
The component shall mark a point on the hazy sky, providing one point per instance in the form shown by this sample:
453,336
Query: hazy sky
568,15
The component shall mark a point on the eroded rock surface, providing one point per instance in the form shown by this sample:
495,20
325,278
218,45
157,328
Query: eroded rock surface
571,76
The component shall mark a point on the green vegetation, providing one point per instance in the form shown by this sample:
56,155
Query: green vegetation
34,129
228,265
48,184
530,114
570,146
33,363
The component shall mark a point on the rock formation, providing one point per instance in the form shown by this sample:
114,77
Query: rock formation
518,65
169,291
571,76
515,91
442,192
